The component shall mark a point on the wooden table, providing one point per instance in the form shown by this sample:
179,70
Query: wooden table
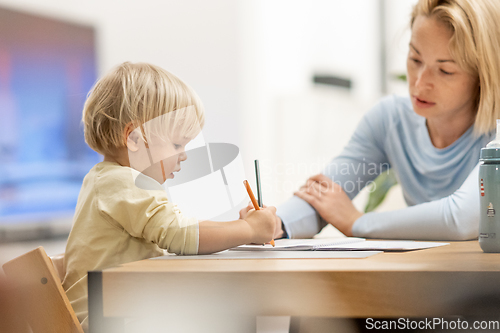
441,281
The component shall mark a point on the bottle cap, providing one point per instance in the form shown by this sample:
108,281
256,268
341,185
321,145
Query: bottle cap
492,150
491,154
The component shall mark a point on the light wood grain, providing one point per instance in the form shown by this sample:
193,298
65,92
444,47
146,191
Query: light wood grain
45,304
431,282
458,257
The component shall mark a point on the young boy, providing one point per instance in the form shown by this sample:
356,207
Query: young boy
140,117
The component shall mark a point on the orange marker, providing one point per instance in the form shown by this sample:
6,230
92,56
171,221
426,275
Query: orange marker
254,201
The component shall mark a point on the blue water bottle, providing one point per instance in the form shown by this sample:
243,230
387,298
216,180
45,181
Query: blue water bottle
489,199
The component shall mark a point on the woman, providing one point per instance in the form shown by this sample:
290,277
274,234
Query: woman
431,139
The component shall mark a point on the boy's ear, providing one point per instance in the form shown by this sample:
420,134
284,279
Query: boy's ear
132,137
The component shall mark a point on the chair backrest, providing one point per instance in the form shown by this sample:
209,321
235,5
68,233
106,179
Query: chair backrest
11,314
44,302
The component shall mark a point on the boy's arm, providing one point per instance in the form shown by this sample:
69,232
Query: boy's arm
257,227
218,236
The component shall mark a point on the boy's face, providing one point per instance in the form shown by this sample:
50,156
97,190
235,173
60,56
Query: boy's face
159,158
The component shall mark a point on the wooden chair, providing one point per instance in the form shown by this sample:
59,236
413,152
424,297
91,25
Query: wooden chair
45,304
11,319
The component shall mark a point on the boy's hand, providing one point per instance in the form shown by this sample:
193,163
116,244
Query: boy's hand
244,211
278,231
262,224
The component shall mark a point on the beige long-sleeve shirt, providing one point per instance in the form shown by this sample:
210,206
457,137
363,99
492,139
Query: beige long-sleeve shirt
117,222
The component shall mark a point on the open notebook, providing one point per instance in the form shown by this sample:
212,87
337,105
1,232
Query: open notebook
339,244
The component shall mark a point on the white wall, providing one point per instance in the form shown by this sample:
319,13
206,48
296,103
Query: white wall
397,39
195,39
295,125
251,62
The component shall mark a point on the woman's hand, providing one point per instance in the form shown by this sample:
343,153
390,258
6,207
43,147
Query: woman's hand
331,202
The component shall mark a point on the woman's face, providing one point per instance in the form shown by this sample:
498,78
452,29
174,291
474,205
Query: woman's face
439,88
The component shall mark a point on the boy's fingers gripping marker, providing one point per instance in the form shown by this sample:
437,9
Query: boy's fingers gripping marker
254,201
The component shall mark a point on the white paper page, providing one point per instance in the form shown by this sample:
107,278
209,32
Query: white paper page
384,246
299,244
276,255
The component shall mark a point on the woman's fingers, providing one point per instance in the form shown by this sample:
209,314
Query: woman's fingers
327,184
309,198
321,178
315,189
319,184
318,188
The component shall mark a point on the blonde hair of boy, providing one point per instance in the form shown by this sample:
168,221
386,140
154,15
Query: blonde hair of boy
475,46
136,93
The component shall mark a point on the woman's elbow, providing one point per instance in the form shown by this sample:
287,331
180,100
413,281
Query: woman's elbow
465,229
463,235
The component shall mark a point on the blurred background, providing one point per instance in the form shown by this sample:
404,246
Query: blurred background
285,81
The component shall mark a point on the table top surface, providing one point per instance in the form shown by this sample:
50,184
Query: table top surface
463,256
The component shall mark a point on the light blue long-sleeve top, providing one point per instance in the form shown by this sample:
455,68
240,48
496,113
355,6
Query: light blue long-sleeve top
440,186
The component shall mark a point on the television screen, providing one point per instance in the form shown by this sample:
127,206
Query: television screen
47,67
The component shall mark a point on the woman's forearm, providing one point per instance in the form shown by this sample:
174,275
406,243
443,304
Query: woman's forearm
455,217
